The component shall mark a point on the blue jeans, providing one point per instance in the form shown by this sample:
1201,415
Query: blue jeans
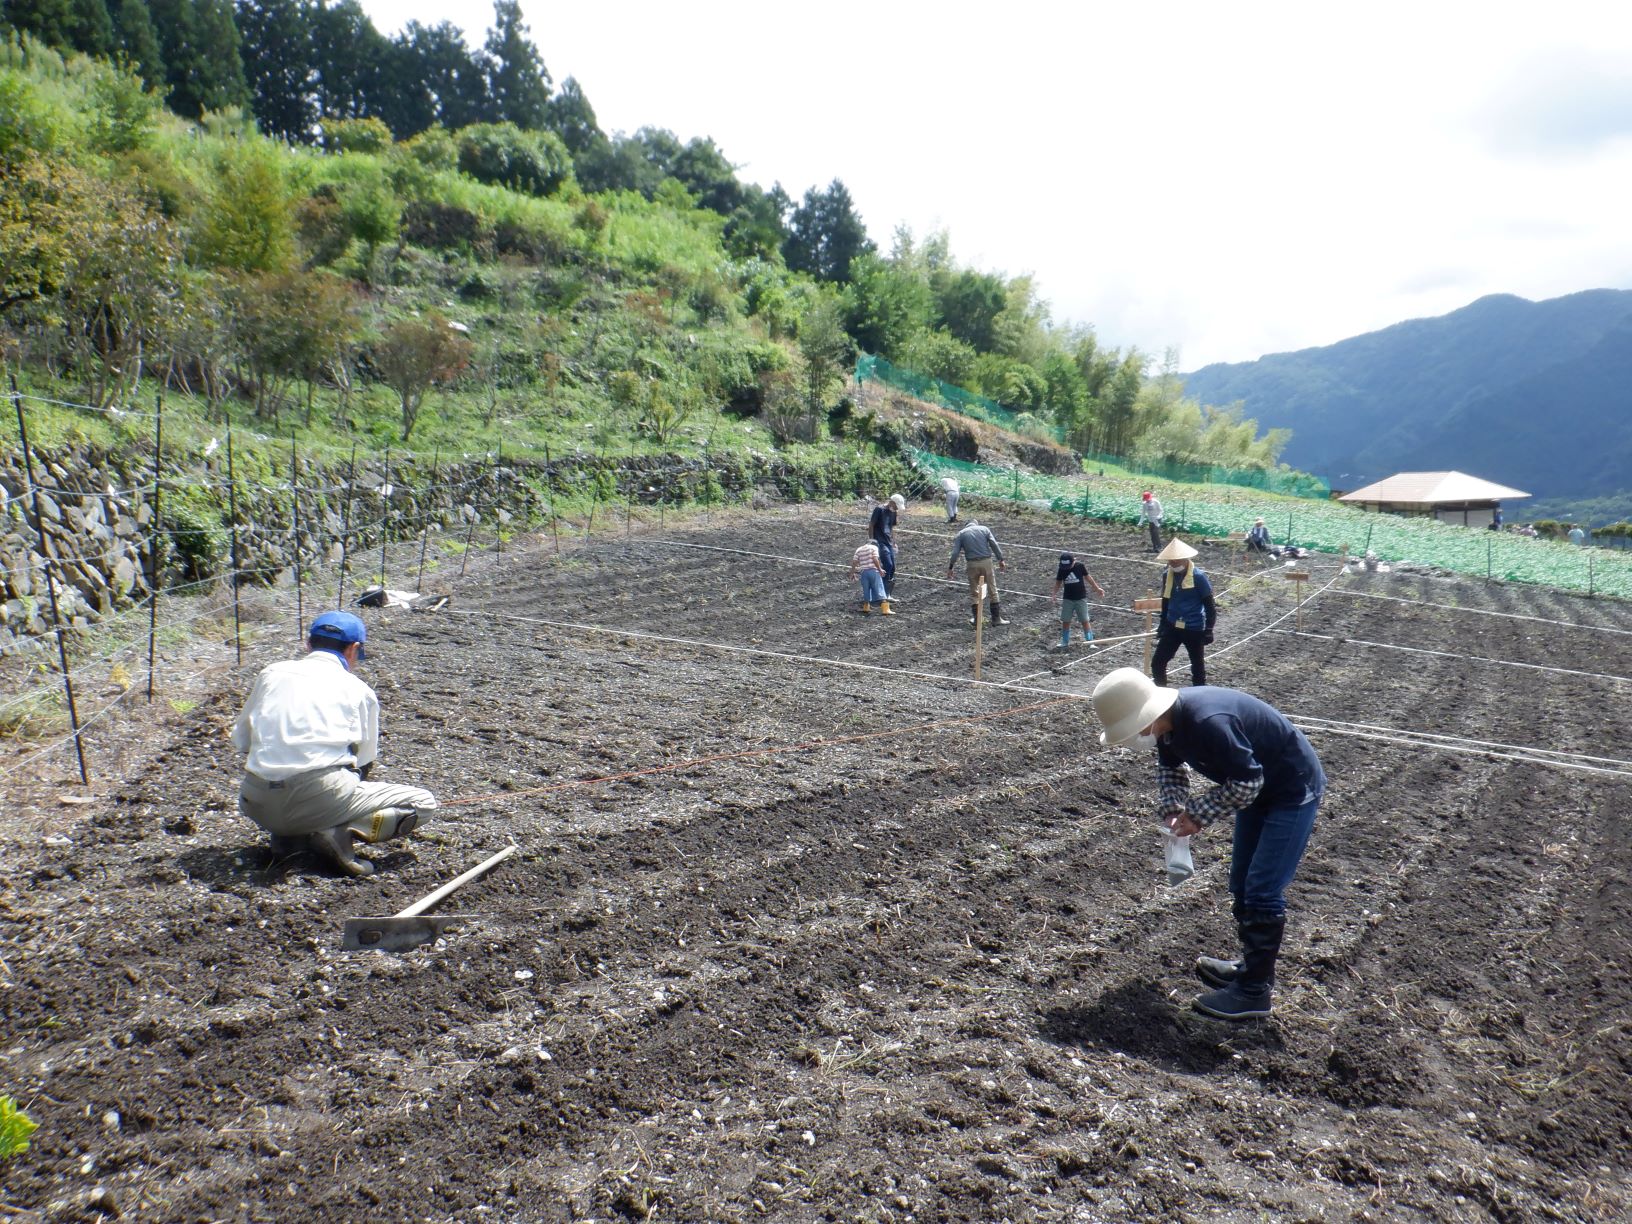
872,586
1269,845
886,558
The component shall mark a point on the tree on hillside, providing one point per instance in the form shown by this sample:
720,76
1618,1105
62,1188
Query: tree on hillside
969,303
91,27
438,79
247,225
884,306
203,63
702,168
50,21
415,355
825,234
756,229
139,41
517,81
570,116
277,52
355,66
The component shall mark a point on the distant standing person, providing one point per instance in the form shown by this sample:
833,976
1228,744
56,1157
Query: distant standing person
950,488
1264,773
1188,613
980,549
1496,519
881,528
309,734
1150,509
1578,537
865,568
1073,580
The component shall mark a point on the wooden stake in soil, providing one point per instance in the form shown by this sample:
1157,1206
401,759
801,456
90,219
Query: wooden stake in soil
1149,605
980,618
1297,578
49,556
549,487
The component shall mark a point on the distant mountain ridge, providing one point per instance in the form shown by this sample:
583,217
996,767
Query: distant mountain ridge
1532,394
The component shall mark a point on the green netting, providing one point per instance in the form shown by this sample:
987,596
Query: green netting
967,403
1327,526
955,399
1284,481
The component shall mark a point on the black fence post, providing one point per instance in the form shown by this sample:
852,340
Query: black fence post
294,531
49,555
498,498
385,511
232,504
425,524
345,528
158,535
549,488
470,530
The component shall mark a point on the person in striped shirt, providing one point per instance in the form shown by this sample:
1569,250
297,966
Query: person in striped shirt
1264,773
866,567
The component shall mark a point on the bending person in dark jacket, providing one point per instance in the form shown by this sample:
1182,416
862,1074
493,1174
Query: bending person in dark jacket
1188,613
1266,774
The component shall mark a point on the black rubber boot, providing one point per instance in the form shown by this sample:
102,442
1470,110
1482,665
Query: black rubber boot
974,615
335,844
997,614
1214,970
1248,996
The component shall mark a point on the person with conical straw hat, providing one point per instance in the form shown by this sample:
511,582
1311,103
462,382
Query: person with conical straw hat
1188,613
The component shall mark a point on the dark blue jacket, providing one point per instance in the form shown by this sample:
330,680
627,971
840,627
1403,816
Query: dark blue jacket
1188,598
1226,735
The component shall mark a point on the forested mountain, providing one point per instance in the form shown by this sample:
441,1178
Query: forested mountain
1533,394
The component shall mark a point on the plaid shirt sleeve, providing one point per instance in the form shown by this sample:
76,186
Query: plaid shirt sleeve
1223,799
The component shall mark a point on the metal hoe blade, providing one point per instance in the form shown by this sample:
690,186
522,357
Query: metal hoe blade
413,926
396,933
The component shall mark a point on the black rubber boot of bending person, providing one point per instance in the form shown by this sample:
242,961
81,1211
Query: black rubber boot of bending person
974,614
1248,996
997,614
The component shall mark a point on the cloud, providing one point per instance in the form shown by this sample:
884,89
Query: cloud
1561,103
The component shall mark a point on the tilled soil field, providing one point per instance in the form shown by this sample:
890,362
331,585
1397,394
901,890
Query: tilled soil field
806,926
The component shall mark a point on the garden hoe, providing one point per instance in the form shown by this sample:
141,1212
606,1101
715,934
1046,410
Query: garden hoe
413,926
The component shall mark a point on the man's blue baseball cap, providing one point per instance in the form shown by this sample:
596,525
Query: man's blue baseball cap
341,628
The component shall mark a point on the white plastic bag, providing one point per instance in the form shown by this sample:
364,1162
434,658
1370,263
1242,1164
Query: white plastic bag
1180,866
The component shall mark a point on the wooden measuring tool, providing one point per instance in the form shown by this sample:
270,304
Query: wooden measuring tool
1150,605
1298,577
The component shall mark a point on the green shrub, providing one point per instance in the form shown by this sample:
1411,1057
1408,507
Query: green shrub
15,1128
196,535
536,163
368,135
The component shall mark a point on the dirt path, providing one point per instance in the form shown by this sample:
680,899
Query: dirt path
933,974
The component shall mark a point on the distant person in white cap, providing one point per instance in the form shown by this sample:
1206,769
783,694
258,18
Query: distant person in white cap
1264,772
881,530
1188,614
950,488
309,734
1258,539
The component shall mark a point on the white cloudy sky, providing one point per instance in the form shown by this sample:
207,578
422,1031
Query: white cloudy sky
1229,179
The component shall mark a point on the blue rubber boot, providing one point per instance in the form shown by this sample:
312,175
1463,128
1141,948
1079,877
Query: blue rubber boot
1065,639
1087,636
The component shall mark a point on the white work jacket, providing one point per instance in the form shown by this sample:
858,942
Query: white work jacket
305,714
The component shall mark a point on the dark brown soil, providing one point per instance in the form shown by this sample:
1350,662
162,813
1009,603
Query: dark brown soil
926,968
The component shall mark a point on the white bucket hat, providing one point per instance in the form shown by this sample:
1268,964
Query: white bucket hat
899,502
1127,701
1176,550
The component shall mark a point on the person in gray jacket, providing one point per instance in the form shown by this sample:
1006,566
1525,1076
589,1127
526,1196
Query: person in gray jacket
979,549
